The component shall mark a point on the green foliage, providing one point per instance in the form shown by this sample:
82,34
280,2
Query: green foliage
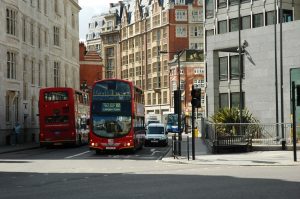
228,123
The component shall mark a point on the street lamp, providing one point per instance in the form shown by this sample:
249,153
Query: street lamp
178,53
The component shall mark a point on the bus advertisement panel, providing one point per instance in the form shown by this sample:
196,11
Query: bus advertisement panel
117,116
63,115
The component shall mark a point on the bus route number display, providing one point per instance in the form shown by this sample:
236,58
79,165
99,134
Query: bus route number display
111,107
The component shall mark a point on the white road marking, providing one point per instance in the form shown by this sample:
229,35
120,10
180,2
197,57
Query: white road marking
79,154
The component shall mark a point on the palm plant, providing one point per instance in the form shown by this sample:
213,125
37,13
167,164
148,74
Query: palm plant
227,121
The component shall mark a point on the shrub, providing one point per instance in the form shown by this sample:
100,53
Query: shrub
227,122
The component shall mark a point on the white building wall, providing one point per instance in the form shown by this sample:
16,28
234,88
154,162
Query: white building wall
44,18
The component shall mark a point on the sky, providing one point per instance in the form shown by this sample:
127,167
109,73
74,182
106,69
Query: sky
90,8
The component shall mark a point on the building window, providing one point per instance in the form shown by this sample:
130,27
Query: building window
209,8
258,20
154,99
56,6
222,3
180,15
11,65
235,99
233,2
45,6
11,22
287,15
149,83
56,74
233,25
16,109
182,84
7,109
270,18
149,99
223,66
24,29
39,73
196,31
197,83
24,79
223,100
165,97
31,34
234,67
39,37
222,27
32,72
246,22
181,31
46,72
32,110
56,36
179,2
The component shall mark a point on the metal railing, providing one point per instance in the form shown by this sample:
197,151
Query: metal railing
258,133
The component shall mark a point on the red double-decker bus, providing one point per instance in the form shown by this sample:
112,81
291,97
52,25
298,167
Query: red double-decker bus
63,116
117,116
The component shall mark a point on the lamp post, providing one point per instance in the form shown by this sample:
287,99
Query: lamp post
178,53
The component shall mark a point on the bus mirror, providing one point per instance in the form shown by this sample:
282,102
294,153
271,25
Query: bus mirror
88,122
38,114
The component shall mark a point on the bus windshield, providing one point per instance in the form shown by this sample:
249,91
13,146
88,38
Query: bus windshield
111,109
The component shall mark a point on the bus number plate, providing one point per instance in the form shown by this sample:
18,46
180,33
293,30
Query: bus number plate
110,147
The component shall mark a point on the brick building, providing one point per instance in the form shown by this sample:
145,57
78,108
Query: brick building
91,67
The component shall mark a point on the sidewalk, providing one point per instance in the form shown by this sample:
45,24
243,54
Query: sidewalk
18,147
255,158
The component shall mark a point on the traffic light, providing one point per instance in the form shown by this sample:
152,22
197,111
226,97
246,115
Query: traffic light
196,97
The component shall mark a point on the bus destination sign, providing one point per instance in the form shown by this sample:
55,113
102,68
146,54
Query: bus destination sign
111,107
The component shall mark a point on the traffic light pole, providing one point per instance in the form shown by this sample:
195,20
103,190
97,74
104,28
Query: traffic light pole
179,105
193,132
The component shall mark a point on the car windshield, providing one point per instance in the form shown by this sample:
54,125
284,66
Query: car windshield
156,130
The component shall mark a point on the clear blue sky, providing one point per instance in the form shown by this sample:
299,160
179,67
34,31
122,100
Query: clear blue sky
90,8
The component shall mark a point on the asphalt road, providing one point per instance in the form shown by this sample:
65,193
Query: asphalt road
80,173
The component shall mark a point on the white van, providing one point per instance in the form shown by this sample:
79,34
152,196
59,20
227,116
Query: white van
156,135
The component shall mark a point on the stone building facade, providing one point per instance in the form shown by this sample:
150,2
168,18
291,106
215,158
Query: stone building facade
39,48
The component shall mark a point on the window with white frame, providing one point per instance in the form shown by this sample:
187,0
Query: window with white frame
182,83
181,31
196,31
181,15
56,36
196,15
174,85
196,46
56,74
199,71
11,65
197,83
11,22
179,2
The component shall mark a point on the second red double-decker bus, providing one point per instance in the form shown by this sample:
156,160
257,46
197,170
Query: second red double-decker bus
63,115
117,116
